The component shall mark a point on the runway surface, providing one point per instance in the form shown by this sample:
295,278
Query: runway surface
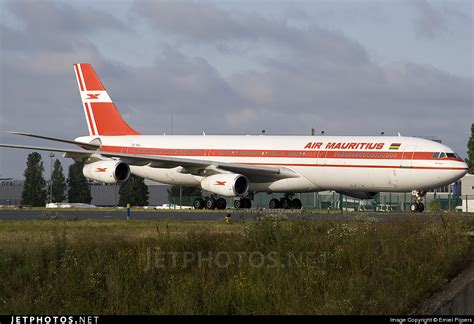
210,215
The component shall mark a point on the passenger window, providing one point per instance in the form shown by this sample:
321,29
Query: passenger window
442,155
436,155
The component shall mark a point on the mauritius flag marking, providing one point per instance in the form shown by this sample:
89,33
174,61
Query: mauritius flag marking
395,146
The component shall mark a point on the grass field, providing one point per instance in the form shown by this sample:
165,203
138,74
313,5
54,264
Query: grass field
271,266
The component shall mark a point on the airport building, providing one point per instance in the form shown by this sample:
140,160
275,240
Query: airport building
458,196
467,193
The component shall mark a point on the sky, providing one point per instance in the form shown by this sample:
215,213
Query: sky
348,67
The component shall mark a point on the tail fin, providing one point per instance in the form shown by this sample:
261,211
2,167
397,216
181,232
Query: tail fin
102,116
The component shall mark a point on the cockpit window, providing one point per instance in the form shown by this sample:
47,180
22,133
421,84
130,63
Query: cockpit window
439,155
443,155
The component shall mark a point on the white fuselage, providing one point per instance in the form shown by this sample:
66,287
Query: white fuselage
343,163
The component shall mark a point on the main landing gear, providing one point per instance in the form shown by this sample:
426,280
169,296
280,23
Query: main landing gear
244,202
213,202
209,203
285,202
418,206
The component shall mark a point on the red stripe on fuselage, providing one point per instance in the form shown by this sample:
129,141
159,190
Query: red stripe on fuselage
356,166
354,155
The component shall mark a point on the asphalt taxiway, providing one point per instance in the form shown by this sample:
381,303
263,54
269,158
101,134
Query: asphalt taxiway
64,214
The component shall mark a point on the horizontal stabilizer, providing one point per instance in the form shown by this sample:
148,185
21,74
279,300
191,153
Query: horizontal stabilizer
49,149
87,146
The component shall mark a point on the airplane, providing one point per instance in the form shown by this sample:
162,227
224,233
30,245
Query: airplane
240,166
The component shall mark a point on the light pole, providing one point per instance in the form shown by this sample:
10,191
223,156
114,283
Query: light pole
51,155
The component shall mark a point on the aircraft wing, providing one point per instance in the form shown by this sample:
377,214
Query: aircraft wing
256,173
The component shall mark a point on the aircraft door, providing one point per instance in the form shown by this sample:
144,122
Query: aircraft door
321,160
407,156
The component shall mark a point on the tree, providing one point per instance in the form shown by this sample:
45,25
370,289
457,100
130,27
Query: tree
34,191
59,183
470,151
79,190
134,191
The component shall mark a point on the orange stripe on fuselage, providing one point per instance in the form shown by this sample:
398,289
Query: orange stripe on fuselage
356,166
304,154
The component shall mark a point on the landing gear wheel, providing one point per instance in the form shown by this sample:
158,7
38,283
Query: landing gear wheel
238,204
421,207
221,203
198,203
296,204
274,204
247,203
285,203
417,207
210,203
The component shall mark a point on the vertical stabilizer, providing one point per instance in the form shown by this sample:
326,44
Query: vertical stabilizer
102,116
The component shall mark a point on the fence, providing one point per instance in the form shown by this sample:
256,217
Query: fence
384,202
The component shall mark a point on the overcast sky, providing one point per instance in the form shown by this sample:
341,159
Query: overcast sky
349,67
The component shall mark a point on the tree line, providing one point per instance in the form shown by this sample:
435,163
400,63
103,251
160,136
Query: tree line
74,189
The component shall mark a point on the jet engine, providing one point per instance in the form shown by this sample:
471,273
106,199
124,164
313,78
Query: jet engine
359,194
107,171
226,184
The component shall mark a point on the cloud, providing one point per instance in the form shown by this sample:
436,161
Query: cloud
204,23
436,18
62,18
300,77
429,21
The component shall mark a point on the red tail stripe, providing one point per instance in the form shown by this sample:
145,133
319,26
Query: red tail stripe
103,117
78,77
91,80
89,118
108,120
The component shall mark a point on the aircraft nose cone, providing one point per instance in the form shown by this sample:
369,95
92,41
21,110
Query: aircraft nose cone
464,170
465,166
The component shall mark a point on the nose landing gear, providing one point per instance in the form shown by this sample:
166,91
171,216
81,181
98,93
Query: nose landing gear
418,206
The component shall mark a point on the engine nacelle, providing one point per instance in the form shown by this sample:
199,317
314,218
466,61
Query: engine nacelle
107,171
226,184
359,194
